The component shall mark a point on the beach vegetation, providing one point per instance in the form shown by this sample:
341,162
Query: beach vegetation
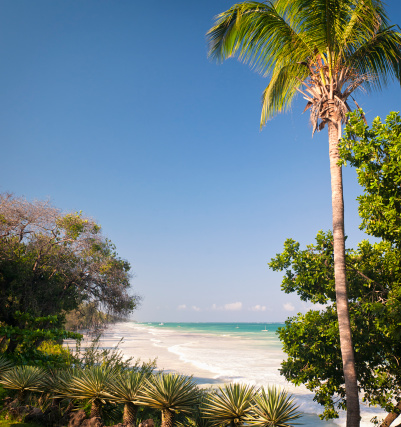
273,407
5,365
24,379
171,394
311,340
323,50
52,263
113,394
229,405
90,384
125,388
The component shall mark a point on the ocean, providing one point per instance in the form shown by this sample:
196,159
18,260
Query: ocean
217,353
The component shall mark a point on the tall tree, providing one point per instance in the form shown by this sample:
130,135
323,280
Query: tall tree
324,50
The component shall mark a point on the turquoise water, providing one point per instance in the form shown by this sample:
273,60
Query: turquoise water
256,331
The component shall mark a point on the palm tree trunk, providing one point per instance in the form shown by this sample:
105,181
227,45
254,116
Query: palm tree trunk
129,417
167,418
347,349
96,408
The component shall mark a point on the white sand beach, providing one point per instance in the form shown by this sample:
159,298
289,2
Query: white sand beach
215,358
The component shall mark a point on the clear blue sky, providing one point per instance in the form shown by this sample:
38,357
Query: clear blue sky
113,108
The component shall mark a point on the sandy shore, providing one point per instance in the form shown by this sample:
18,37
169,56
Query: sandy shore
140,346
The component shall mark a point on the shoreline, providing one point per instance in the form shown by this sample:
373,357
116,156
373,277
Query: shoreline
213,358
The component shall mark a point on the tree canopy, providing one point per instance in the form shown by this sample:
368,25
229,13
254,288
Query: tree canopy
50,263
311,341
376,154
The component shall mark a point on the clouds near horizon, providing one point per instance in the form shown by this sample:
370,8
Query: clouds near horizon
288,306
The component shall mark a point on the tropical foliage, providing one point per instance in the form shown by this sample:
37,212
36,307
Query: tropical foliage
90,384
274,408
311,341
50,263
375,152
231,404
323,50
105,389
170,393
125,388
5,365
24,379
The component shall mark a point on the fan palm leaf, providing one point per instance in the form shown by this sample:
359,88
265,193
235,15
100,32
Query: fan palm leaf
125,388
91,383
169,393
230,405
24,379
5,365
273,409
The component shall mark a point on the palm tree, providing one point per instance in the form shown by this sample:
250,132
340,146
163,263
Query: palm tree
274,408
125,389
230,405
24,379
170,393
324,50
91,383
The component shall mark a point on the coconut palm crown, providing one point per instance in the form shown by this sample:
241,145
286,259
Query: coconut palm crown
323,50
170,393
230,405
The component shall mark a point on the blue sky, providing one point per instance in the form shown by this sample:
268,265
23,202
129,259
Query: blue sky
113,108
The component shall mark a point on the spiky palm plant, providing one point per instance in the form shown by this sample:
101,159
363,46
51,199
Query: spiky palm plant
57,384
5,365
125,388
170,393
196,418
323,50
230,405
273,409
24,379
91,383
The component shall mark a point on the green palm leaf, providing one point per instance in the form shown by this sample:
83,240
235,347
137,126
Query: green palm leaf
24,379
169,393
125,388
230,405
296,41
274,409
5,365
91,383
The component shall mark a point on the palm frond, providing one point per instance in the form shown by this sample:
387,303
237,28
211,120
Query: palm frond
282,88
231,404
90,383
329,47
172,392
379,57
5,365
125,386
24,378
258,35
274,408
